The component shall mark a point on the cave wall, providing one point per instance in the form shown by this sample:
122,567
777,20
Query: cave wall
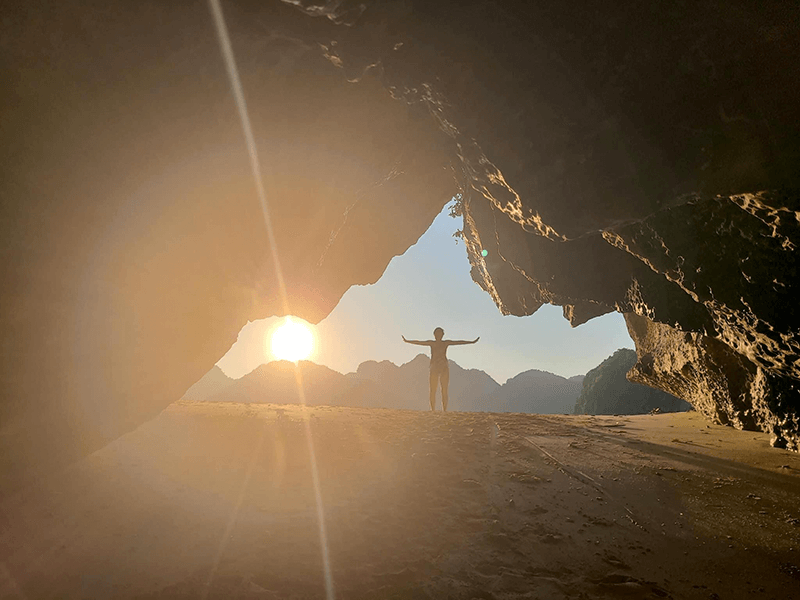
134,247
724,385
628,156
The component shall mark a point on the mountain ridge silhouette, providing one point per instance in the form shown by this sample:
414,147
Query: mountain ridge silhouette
383,384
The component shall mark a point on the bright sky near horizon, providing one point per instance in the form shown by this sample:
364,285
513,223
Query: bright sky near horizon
429,286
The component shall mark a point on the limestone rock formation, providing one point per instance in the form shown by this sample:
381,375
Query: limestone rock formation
607,391
629,156
722,384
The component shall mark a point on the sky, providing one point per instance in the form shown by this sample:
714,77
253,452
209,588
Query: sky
427,287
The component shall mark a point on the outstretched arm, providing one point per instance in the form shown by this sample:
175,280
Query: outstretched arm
416,342
462,342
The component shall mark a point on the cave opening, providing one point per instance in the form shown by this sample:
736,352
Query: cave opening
426,287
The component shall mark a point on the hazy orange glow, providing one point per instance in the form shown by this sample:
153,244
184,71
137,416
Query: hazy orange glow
292,341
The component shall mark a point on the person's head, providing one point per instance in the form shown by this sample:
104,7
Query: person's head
438,333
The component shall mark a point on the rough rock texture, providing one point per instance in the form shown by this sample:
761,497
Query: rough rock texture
634,157
630,156
607,391
725,386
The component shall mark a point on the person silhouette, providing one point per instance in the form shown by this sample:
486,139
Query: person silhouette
440,370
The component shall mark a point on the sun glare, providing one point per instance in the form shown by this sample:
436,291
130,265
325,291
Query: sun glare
292,341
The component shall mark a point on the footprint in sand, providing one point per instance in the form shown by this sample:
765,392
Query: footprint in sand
539,510
625,585
470,484
615,562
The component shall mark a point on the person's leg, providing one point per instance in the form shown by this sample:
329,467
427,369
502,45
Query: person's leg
445,379
434,382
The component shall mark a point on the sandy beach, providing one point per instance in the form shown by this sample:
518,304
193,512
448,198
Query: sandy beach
219,501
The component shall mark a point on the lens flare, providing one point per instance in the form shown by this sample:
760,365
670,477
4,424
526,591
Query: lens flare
238,93
292,341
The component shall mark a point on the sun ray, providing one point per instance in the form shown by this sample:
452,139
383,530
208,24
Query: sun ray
223,543
323,535
244,117
238,92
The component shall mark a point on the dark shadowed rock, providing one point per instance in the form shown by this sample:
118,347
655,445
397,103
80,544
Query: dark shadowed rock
724,385
607,391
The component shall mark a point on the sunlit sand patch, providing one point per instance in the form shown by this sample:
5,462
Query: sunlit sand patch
421,506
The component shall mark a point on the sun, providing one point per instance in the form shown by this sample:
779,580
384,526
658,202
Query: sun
292,341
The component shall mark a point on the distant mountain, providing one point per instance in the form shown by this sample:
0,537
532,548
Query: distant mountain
384,384
374,384
277,383
606,390
407,386
539,392
210,384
